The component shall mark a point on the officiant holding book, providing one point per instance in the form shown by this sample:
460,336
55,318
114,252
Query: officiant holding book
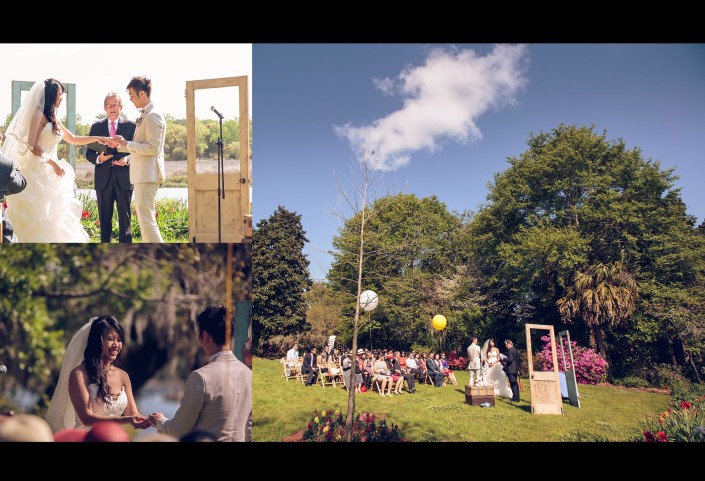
112,171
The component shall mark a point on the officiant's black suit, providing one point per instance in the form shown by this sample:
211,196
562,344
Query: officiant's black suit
112,183
511,367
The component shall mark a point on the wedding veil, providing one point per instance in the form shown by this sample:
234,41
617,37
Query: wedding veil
61,413
485,348
21,134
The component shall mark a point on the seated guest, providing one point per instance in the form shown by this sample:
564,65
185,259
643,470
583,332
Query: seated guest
405,375
292,355
413,368
310,367
434,371
368,369
382,376
447,372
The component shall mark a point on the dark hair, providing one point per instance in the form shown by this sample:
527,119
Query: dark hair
51,91
198,437
140,84
93,355
212,320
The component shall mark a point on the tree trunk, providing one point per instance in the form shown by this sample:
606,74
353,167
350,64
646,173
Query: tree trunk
602,349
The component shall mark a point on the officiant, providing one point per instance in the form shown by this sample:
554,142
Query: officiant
112,171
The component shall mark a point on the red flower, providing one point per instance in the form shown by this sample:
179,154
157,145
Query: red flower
85,214
4,205
661,437
648,437
685,405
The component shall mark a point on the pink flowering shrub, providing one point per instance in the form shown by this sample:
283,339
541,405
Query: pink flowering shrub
590,367
329,425
456,362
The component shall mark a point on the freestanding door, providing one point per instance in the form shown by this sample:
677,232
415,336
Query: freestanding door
204,203
544,385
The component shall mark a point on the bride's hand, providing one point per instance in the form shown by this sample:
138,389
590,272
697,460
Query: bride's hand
140,422
58,170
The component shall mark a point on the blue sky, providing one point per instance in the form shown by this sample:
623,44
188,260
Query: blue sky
651,95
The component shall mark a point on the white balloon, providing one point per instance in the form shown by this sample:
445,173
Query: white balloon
368,300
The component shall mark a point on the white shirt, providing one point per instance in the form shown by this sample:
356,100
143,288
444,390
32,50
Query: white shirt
292,355
411,363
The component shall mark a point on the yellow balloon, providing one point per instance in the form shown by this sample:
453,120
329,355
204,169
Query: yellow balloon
439,322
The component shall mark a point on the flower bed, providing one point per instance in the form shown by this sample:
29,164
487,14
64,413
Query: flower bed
683,422
329,426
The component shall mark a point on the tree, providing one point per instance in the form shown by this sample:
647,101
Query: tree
410,252
577,199
280,276
601,295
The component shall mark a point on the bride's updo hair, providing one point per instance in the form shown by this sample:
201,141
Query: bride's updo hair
51,91
93,355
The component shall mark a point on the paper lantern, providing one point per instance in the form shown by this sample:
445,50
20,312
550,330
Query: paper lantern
368,300
439,322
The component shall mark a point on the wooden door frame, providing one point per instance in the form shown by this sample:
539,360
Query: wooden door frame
242,83
557,403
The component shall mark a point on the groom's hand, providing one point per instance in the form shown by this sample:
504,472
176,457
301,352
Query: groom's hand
154,417
116,141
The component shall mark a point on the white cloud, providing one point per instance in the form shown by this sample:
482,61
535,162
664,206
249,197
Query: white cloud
442,99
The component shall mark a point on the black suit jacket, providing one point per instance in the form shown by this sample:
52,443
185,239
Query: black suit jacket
125,128
511,363
310,360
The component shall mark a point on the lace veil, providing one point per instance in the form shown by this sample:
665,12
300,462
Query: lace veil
61,413
21,134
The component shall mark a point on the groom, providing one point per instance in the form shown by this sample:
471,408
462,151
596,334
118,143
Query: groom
217,397
147,156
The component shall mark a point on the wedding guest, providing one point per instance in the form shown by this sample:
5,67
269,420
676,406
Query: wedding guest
310,367
447,372
25,428
11,182
217,397
434,370
382,376
107,432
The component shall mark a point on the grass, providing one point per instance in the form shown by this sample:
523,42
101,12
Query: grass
282,407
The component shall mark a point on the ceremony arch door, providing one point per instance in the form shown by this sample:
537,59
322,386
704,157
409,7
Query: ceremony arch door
235,220
544,385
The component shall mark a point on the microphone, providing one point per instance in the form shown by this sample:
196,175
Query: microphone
3,368
217,113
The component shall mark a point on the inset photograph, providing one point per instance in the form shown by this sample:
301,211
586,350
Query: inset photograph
152,144
125,343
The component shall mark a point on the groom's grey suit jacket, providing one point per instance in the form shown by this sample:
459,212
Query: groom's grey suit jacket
218,399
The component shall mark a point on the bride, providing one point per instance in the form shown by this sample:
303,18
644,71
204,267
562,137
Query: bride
90,387
47,210
495,375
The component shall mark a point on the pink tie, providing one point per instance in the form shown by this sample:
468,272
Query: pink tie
112,129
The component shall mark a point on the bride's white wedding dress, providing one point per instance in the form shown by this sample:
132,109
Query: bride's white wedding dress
497,377
114,409
47,210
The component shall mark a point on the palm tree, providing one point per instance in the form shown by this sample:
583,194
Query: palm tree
601,295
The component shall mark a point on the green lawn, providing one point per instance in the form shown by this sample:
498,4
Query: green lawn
282,407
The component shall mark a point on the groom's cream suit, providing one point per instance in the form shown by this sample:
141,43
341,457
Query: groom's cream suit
147,168
218,399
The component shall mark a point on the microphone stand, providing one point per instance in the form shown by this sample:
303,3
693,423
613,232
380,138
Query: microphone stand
221,174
